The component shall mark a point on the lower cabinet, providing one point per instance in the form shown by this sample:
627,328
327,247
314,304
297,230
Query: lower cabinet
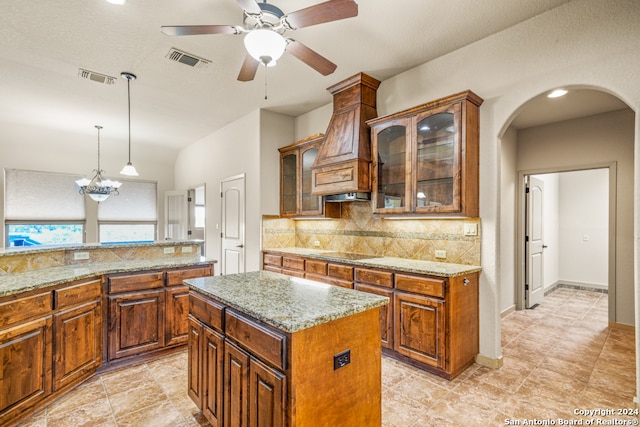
420,328
431,322
177,310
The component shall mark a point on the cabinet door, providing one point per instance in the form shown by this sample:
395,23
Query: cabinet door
386,312
437,168
25,372
136,323
78,343
177,311
194,376
236,386
212,374
309,204
391,186
289,183
420,328
267,391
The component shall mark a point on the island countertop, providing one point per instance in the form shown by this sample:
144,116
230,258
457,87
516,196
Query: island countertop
289,304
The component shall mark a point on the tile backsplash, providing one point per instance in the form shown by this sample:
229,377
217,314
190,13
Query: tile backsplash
359,231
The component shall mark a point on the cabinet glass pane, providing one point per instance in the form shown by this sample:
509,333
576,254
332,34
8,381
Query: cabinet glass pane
289,164
392,167
435,161
309,201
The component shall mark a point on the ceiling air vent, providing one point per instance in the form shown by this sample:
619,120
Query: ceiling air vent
96,77
187,58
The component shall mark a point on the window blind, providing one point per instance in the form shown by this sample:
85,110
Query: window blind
42,196
136,202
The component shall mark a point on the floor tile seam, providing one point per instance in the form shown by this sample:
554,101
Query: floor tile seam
113,412
164,391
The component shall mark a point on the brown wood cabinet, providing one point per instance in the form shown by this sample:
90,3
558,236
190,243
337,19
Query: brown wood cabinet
77,333
49,342
430,322
259,363
148,310
426,158
296,199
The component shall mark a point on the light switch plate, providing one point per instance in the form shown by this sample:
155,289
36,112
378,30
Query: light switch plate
169,250
80,255
470,229
440,254
187,249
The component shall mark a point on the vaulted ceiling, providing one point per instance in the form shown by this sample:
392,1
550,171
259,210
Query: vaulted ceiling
44,44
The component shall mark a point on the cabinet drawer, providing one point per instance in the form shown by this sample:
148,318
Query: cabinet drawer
207,311
77,294
270,259
175,277
343,272
421,285
16,310
316,267
268,345
135,282
293,263
374,277
294,273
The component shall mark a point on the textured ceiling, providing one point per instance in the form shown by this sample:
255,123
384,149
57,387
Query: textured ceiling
43,43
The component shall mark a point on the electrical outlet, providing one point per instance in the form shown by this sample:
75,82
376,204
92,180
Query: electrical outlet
80,255
187,249
316,243
169,250
470,229
440,254
341,359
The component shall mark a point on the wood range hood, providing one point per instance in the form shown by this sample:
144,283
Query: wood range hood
343,163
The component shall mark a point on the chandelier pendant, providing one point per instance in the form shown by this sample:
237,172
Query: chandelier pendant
98,187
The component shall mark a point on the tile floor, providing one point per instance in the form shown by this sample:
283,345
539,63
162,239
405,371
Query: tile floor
557,358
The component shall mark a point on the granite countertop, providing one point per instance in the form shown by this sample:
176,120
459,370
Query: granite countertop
15,283
287,303
443,269
28,250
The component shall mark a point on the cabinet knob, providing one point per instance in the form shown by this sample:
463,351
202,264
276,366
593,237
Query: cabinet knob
466,281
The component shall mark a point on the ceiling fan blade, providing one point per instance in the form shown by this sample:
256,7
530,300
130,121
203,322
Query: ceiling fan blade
328,11
251,6
310,57
249,69
191,30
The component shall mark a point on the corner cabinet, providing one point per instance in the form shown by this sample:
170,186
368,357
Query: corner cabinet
296,199
426,158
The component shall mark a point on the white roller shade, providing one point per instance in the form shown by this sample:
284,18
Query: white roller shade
137,201
42,196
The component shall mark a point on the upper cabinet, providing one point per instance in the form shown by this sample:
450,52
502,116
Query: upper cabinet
426,158
296,199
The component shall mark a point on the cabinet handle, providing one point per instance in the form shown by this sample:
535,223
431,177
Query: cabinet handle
466,281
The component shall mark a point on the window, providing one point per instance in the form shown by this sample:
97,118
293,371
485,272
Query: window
130,217
42,208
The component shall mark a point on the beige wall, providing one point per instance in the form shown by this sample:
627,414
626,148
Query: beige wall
246,146
595,140
49,150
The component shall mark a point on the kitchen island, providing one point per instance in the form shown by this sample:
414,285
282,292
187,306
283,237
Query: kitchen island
269,349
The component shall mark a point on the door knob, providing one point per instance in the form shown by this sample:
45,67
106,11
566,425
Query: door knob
240,246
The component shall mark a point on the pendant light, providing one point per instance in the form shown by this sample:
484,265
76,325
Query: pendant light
98,188
128,169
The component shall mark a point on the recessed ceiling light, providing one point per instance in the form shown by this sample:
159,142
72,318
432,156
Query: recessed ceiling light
557,93
119,2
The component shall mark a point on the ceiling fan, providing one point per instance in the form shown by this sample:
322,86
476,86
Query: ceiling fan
265,24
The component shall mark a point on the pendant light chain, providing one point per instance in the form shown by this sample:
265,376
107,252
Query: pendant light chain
98,127
128,169
129,105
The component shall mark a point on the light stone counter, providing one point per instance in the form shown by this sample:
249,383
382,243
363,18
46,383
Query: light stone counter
442,269
15,283
287,303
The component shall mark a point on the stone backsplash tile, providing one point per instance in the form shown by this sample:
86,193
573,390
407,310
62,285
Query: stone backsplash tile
359,231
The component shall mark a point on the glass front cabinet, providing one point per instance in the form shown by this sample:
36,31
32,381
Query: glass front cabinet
296,199
426,158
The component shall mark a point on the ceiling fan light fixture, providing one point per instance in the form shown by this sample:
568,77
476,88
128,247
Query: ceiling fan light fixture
266,46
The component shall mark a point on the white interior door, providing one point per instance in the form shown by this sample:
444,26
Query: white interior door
233,222
176,215
534,258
